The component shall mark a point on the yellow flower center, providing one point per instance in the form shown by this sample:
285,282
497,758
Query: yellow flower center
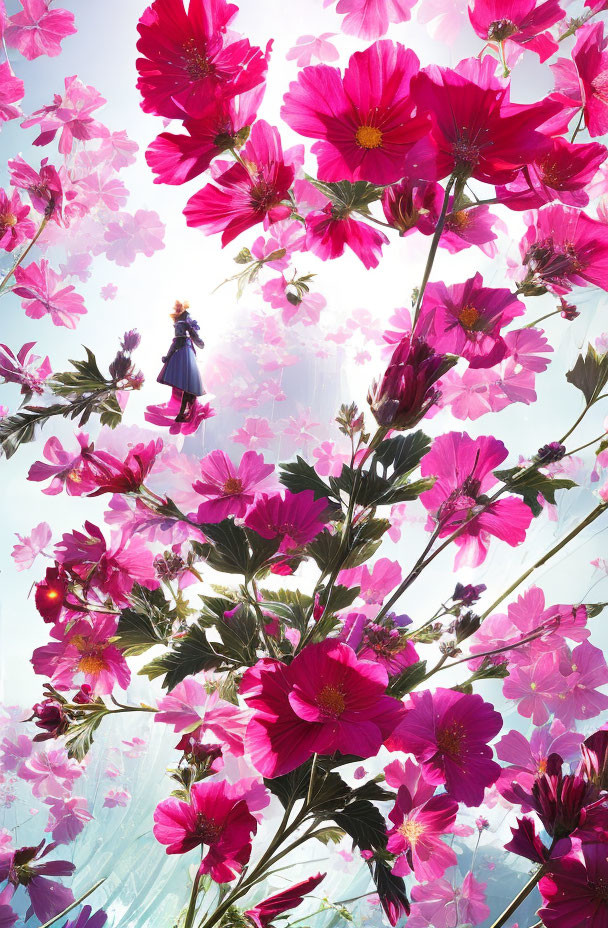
411,830
91,664
331,700
232,487
197,62
468,317
533,686
8,220
368,137
449,739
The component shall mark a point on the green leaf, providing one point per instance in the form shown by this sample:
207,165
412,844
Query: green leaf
403,452
346,197
239,634
390,888
330,835
402,490
594,609
80,736
407,680
229,551
298,475
147,622
190,655
531,483
590,374
362,821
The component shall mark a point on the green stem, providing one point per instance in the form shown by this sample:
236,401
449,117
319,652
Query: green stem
74,904
587,444
23,256
554,312
433,249
578,125
192,905
523,894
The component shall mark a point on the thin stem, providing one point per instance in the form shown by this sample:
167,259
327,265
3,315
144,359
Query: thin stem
74,904
413,574
593,515
433,249
587,444
579,125
379,222
577,423
192,905
523,894
23,256
554,312
311,782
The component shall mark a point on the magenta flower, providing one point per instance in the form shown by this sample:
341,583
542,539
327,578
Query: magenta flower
44,187
217,816
524,22
38,30
37,285
328,232
473,226
265,912
365,120
407,390
192,57
574,891
583,671
292,517
26,867
105,473
15,227
7,916
580,82
12,91
528,759
370,19
164,415
416,835
190,708
383,643
475,130
326,700
224,123
463,467
565,247
444,905
533,687
67,818
23,368
562,173
412,205
66,469
226,489
85,650
448,734
466,319
243,196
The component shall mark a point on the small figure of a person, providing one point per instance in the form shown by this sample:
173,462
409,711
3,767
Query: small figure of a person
180,369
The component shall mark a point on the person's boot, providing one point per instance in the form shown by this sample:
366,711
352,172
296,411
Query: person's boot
182,414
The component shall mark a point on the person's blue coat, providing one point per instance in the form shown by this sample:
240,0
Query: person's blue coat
180,368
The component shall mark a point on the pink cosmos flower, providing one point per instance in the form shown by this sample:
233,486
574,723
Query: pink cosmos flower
473,226
292,517
38,30
25,867
534,686
85,650
562,173
25,553
12,91
110,569
255,433
383,643
128,235
52,773
416,835
44,187
466,319
329,459
67,818
573,891
364,120
584,670
564,247
38,286
104,189
243,196
190,708
72,114
15,227
326,700
581,82
328,233
476,130
229,490
448,733
191,57
265,912
217,816
377,583
464,470
444,905
308,47
23,368
370,19
223,124
528,759
524,22
66,469
105,473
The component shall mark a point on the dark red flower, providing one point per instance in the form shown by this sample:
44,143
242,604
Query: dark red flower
51,593
266,911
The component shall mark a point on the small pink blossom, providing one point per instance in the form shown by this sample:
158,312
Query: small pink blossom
128,235
23,368
67,818
108,292
38,30
370,19
190,708
25,553
15,227
52,773
226,489
308,47
255,433
67,469
38,287
12,91
116,798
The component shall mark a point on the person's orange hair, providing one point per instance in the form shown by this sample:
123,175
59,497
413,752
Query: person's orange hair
179,309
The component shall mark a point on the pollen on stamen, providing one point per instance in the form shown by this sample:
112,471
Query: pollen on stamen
368,137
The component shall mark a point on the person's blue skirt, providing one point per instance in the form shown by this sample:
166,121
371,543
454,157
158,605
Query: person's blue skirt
181,371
